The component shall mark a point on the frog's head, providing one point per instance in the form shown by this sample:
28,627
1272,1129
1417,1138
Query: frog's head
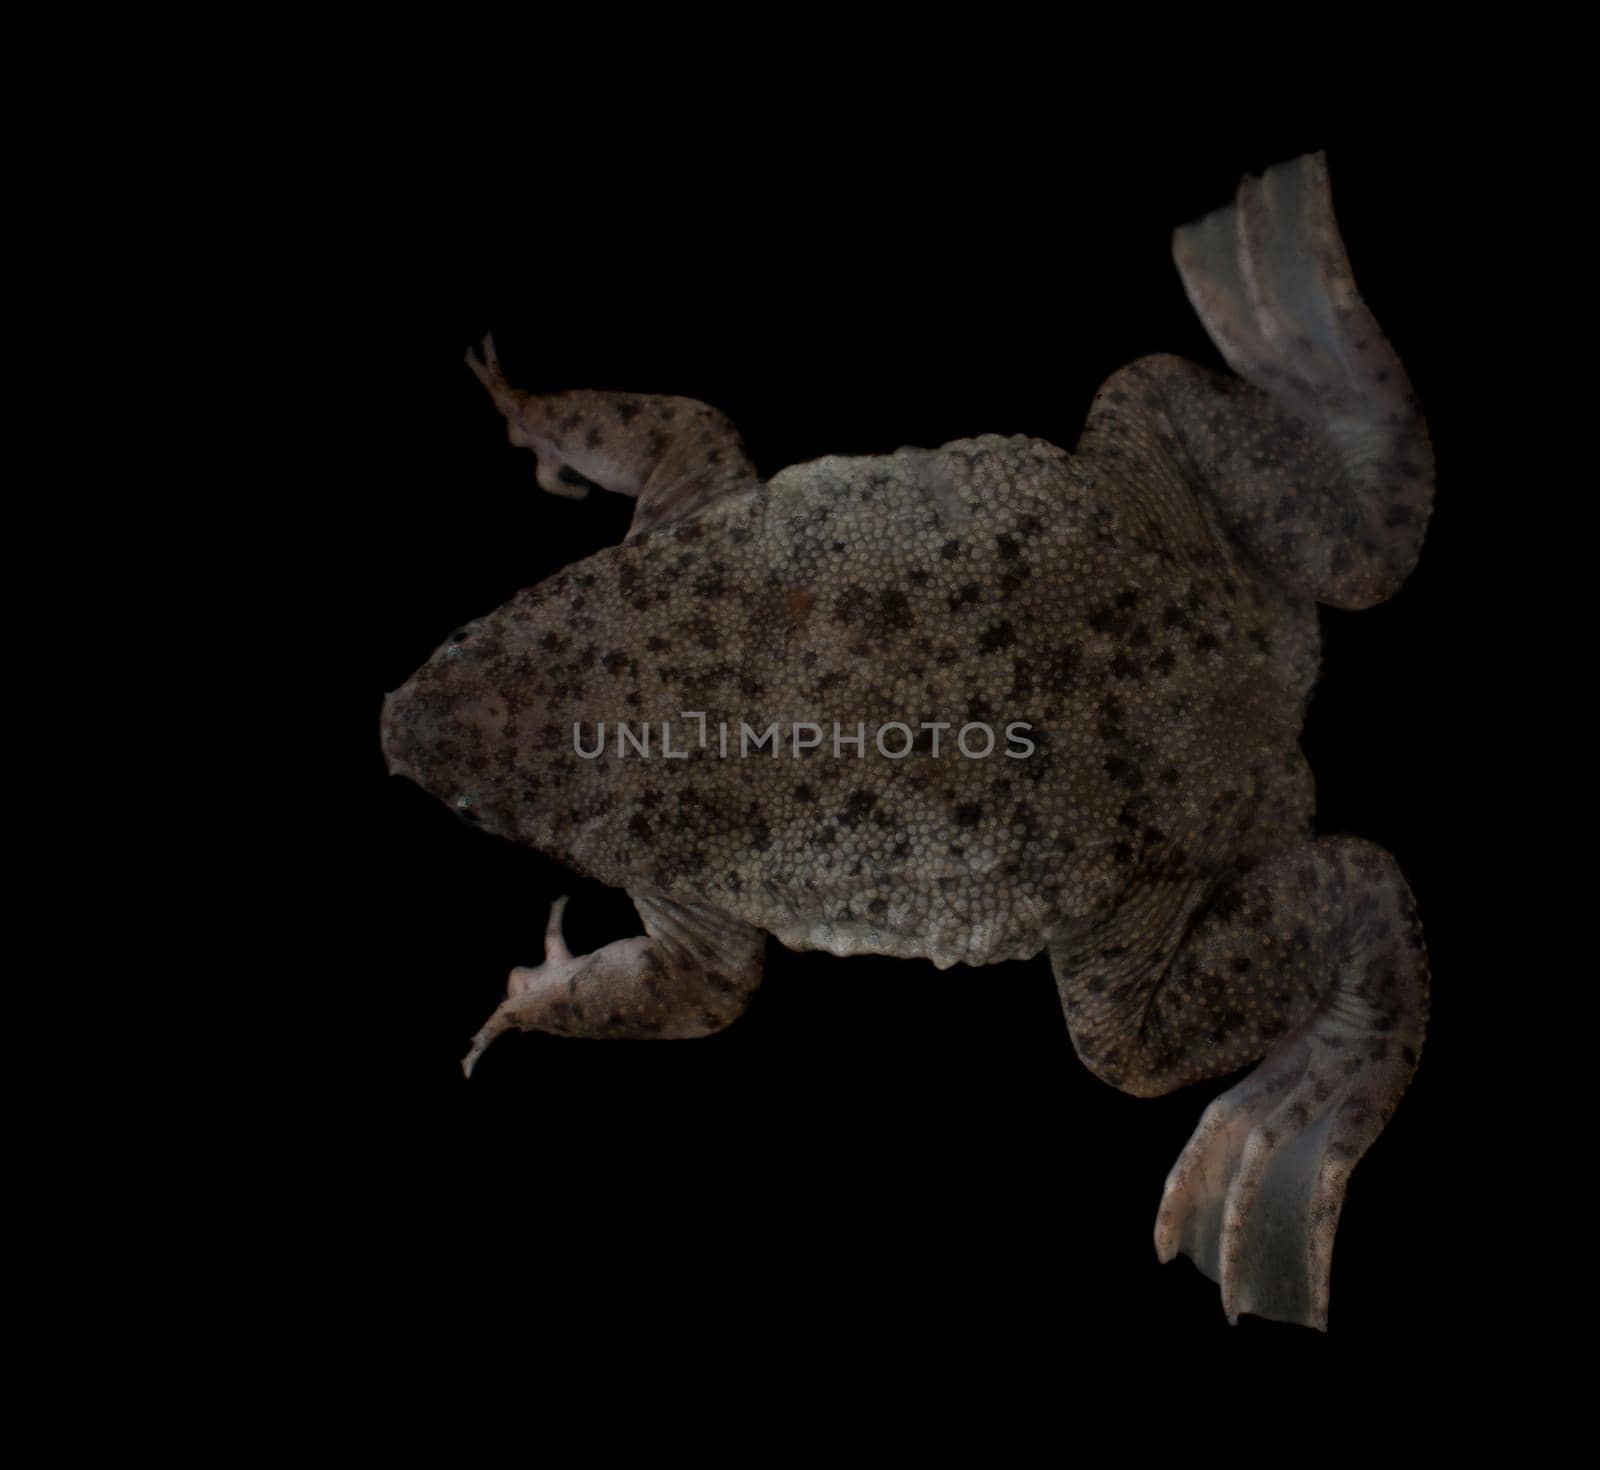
446,724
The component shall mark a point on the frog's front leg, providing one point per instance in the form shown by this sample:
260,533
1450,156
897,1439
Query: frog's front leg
691,974
675,456
1313,960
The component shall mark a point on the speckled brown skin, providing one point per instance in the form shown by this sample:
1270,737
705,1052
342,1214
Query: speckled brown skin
1142,610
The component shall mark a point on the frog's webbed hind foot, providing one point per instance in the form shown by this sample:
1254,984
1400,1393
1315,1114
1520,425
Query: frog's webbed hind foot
1254,1198
1313,961
675,456
692,973
1269,277
1315,456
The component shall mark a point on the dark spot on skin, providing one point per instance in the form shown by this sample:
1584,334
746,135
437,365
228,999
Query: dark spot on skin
856,806
850,607
1124,772
969,814
627,410
949,551
894,611
1002,635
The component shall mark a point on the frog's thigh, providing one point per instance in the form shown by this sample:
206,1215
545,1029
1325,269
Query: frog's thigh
676,456
1314,958
692,973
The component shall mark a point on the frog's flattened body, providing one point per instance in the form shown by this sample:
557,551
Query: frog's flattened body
848,593
1145,608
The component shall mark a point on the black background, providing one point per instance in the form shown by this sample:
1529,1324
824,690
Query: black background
877,1151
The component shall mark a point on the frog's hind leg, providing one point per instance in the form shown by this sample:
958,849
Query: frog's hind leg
1316,456
692,973
675,456
1312,961
1269,278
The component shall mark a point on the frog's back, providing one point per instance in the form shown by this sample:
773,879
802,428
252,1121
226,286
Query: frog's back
991,676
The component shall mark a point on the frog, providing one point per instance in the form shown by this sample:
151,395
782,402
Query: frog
991,701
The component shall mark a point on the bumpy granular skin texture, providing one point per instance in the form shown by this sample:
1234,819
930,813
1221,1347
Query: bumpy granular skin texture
991,582
1047,700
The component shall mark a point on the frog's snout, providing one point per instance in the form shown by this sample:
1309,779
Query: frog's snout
390,726
437,733
408,730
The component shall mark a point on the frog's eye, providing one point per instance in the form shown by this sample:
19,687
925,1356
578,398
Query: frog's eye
460,635
464,809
